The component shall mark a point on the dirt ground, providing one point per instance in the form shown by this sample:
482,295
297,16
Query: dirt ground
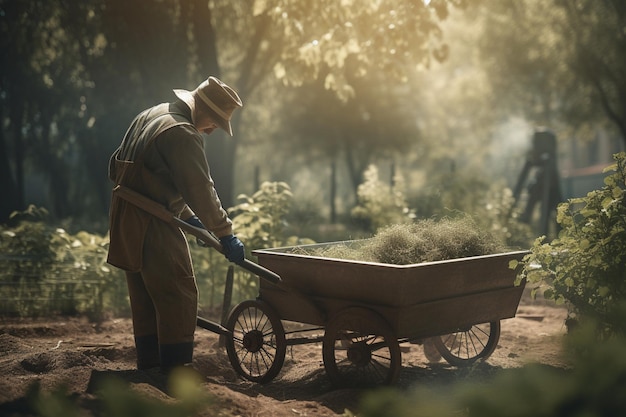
73,352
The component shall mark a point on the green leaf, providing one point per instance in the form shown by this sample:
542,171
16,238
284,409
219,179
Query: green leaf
548,294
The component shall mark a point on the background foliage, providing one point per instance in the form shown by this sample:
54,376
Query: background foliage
48,271
584,266
329,88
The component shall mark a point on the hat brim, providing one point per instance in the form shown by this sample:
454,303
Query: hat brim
224,124
188,98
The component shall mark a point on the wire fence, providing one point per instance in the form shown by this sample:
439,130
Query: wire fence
32,287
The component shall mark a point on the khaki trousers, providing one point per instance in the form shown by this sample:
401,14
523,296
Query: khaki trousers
164,295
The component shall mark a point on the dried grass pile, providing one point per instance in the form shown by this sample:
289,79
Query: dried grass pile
422,241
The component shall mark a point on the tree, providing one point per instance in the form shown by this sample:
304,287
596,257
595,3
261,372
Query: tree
341,43
149,48
340,57
79,71
375,124
36,86
342,48
559,61
595,29
77,74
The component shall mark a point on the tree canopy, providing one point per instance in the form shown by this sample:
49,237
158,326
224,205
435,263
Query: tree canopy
561,61
338,78
78,72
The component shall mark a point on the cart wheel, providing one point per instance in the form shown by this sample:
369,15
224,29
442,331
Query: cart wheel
360,348
257,347
465,346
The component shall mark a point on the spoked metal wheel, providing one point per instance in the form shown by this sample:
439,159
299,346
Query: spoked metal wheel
360,348
465,346
257,347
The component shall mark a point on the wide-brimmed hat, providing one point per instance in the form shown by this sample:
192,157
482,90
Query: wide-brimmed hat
219,97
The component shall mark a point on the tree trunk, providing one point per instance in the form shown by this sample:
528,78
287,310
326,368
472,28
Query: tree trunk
219,148
8,202
17,116
205,38
56,169
222,150
333,192
355,170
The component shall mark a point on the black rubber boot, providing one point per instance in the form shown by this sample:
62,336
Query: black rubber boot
147,351
175,355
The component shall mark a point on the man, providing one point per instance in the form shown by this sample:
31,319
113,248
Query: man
162,157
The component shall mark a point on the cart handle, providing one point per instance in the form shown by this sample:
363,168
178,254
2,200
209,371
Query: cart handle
204,235
208,238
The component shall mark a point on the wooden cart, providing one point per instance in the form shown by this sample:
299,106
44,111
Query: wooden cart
365,310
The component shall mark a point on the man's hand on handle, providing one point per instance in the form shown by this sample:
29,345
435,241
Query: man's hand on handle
233,248
196,222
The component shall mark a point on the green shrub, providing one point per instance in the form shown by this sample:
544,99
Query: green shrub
46,270
259,220
586,265
450,189
379,204
495,211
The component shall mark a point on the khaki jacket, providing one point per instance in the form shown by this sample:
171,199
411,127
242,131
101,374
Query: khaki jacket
162,157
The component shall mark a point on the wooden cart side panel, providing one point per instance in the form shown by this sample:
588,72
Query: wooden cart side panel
293,307
446,316
459,278
391,285
420,320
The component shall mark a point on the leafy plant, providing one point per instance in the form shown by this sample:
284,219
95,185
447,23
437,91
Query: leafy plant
46,270
586,265
260,219
496,212
380,204
211,269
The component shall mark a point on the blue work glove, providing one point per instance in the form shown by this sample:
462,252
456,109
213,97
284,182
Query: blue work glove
233,249
195,222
